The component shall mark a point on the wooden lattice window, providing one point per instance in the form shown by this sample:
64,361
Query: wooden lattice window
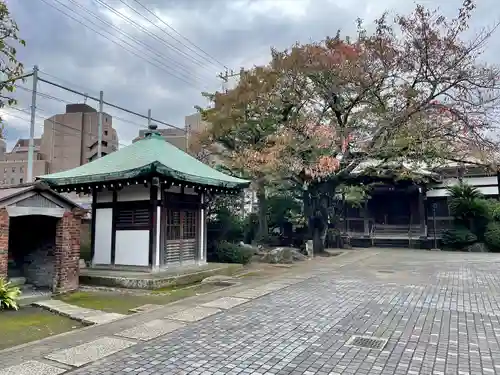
173,224
189,225
133,218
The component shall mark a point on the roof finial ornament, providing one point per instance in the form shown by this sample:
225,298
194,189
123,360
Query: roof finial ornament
151,127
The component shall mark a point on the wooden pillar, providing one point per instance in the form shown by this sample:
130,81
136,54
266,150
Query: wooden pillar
422,197
153,213
93,225
114,215
366,219
202,256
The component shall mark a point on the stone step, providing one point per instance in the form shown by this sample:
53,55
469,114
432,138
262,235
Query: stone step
17,281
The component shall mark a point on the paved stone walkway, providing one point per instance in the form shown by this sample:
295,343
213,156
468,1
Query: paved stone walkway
434,313
86,316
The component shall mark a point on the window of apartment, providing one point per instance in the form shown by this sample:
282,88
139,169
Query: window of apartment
5,170
21,169
21,180
13,169
105,132
12,181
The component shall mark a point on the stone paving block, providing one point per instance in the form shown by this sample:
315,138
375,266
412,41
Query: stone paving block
225,302
87,316
194,314
274,286
103,318
150,330
32,368
252,293
92,351
146,307
439,311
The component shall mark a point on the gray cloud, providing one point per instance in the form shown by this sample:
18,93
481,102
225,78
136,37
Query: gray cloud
236,32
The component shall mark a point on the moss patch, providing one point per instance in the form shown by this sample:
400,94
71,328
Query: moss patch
30,324
122,302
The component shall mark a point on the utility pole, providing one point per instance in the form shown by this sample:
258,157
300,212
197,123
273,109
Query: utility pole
99,124
31,148
229,74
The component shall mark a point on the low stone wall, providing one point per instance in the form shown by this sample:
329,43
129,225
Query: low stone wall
158,281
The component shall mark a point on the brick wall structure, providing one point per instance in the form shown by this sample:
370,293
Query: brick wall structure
67,252
4,242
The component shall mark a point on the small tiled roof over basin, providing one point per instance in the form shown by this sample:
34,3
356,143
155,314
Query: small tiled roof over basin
151,156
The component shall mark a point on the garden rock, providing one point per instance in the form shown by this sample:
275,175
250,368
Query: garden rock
255,249
283,255
478,247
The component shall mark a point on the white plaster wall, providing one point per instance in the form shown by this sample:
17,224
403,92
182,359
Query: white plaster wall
102,247
104,196
132,248
133,193
158,231
479,182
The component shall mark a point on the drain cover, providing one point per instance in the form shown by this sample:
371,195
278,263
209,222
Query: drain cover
367,342
385,271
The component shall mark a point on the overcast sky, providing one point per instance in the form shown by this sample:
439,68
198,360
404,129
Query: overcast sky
165,72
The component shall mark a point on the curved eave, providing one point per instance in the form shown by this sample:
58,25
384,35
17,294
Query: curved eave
147,170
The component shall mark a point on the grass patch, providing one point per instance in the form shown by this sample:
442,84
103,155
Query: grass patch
122,302
31,324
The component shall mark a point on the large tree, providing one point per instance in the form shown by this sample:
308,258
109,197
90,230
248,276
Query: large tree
10,67
414,90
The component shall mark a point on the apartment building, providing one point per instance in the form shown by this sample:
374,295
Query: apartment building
69,140
179,137
174,136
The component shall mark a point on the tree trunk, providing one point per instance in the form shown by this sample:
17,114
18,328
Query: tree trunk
319,237
316,213
263,231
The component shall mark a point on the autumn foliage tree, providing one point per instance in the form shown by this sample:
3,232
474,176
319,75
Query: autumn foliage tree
414,90
10,67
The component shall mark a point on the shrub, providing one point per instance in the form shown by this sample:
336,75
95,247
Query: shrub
494,209
458,238
8,295
226,252
492,236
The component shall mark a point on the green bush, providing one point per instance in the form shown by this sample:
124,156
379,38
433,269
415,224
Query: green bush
458,238
226,252
492,236
494,209
8,295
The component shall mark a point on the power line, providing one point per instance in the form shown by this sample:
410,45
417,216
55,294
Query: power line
27,111
109,104
175,31
136,40
85,89
47,96
166,43
118,44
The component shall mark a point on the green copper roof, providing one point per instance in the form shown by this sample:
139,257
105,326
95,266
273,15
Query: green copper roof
149,155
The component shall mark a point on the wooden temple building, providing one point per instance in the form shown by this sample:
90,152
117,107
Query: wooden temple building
411,212
148,204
